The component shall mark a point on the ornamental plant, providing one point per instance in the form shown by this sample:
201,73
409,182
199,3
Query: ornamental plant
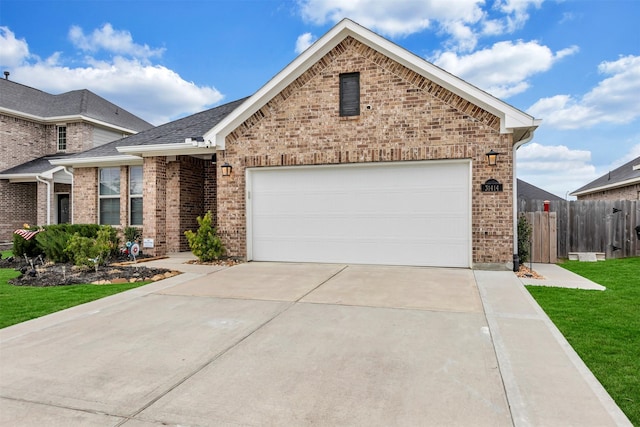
205,242
524,239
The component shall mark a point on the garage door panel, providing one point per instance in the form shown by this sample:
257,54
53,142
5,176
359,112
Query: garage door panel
405,214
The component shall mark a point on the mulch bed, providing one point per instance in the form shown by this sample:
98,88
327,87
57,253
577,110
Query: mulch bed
51,274
526,272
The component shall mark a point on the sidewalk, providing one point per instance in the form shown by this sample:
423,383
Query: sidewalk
557,276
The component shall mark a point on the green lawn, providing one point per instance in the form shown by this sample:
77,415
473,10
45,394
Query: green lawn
21,303
603,327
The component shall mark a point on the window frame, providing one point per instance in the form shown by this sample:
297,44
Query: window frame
61,140
349,94
102,197
136,196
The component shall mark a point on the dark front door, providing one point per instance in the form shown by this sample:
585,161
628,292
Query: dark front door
63,208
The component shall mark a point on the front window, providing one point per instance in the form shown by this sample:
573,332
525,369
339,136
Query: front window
109,196
62,138
135,195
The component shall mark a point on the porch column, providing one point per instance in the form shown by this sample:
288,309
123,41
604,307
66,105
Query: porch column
155,204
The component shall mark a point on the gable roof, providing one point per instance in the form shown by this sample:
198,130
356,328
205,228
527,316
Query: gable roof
167,139
528,191
627,174
512,120
35,104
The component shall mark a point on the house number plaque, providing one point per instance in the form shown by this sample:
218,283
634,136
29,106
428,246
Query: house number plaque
491,186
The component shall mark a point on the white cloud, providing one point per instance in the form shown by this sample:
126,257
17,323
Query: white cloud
151,91
464,21
115,41
504,68
615,99
12,51
304,41
555,168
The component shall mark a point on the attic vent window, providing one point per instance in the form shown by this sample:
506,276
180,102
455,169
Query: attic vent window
349,94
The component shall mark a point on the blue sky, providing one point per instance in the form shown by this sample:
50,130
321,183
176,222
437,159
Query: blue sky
573,64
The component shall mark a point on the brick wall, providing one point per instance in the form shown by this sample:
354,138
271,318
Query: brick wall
630,192
79,137
410,118
85,196
18,207
23,140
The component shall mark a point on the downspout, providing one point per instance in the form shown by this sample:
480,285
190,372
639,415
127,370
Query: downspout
516,260
48,197
67,171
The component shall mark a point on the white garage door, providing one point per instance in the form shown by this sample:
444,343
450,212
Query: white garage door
409,213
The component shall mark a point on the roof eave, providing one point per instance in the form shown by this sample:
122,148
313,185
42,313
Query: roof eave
68,118
510,117
619,184
99,161
177,149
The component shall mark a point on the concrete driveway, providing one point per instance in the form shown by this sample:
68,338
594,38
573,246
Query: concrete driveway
301,344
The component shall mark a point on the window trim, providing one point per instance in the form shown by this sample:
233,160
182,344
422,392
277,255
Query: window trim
349,94
61,128
108,196
135,196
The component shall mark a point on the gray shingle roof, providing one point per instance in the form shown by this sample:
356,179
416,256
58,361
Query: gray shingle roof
528,191
25,99
621,174
169,133
35,166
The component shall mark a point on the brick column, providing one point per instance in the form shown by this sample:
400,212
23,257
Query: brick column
155,204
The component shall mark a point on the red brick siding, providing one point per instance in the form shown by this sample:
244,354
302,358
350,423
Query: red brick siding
411,118
155,203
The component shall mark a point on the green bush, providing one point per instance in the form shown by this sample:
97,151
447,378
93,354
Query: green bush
524,239
205,243
54,239
132,234
84,250
22,247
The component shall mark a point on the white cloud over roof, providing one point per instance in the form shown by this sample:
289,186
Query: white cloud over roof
129,79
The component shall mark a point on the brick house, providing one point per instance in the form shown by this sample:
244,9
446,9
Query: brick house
36,127
622,183
358,151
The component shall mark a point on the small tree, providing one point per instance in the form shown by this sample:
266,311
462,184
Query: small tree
205,243
524,239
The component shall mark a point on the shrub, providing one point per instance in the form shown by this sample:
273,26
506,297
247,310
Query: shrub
84,250
205,243
132,234
524,239
55,238
22,247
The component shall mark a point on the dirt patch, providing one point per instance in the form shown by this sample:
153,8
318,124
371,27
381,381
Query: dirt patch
67,274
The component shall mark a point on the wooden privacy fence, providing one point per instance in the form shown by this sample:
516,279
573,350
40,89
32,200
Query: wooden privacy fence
544,237
592,225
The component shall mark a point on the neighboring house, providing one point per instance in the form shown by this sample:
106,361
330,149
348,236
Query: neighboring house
36,127
357,152
622,183
528,192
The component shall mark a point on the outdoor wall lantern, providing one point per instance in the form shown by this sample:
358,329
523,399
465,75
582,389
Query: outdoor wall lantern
226,169
492,158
